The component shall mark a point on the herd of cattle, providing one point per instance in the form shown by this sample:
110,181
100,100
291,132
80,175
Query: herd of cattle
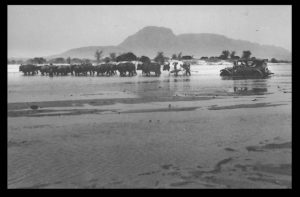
108,69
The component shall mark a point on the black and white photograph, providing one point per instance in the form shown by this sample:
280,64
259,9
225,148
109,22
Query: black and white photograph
149,96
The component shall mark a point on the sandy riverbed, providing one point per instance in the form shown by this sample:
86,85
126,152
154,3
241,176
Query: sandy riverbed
166,132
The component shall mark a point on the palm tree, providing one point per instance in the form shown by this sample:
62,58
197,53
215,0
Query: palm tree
38,60
273,60
107,59
179,56
174,56
69,60
246,54
98,55
225,54
58,60
86,61
144,59
160,58
126,57
232,54
76,60
112,56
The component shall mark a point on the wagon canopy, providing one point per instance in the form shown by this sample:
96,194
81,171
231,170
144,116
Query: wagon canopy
257,63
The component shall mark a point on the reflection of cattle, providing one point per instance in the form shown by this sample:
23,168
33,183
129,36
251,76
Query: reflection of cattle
29,69
123,68
147,68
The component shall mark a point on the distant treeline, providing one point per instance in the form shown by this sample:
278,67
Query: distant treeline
230,56
41,60
129,56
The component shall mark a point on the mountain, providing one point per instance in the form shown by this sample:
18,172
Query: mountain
149,40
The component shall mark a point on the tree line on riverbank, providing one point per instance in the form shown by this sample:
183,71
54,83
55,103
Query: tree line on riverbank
160,58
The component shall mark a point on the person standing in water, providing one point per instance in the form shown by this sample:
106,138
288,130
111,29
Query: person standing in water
188,69
175,68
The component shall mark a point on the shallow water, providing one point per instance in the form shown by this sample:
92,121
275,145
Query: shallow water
205,80
240,139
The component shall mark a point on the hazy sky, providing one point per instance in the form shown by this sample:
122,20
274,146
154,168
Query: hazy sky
48,30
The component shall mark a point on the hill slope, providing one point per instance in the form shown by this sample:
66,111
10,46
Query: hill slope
149,40
89,52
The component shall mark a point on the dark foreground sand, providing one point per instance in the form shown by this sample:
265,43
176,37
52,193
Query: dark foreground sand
176,142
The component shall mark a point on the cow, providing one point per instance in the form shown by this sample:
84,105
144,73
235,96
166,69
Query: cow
63,70
72,69
147,68
82,69
100,69
28,69
44,70
125,67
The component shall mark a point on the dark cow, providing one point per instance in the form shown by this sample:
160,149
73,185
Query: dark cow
78,69
52,70
112,69
90,68
72,69
109,68
44,70
63,70
100,69
29,69
147,68
82,69
140,67
123,68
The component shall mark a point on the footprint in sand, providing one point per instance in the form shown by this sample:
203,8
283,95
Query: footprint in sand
179,184
148,173
166,166
230,149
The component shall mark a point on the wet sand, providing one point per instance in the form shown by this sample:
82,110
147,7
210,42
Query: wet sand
164,135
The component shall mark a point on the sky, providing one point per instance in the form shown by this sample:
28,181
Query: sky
47,30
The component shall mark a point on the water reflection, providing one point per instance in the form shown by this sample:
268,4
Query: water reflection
165,87
250,86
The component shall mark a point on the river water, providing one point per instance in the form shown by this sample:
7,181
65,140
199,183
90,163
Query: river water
205,80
